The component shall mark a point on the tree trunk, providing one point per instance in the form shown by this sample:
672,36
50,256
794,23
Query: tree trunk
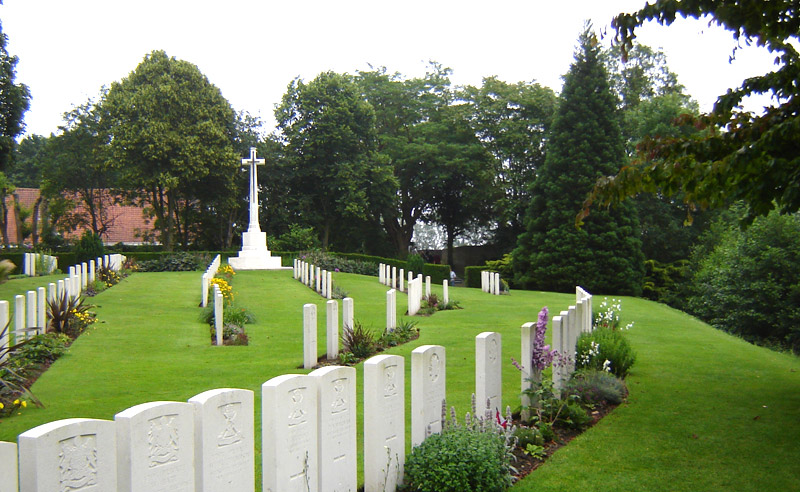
18,220
169,230
450,239
399,237
4,221
35,222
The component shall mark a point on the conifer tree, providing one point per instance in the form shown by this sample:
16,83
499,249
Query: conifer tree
605,256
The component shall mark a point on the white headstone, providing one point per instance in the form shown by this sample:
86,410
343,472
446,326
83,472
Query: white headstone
414,291
309,336
428,374
204,286
67,455
41,309
445,291
559,344
84,275
496,284
324,284
332,329
401,279
224,440
289,433
329,287
394,278
318,279
384,423
155,447
391,310
489,371
427,286
219,315
337,428
19,318
52,292
31,315
380,273
8,467
528,337
347,313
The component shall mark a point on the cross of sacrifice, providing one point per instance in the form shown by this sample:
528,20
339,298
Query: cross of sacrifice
253,162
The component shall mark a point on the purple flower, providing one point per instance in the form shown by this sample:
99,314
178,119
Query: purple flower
336,270
541,355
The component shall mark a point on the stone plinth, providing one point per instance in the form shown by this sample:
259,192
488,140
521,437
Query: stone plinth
254,254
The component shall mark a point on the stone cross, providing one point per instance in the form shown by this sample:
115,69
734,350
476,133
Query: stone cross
253,162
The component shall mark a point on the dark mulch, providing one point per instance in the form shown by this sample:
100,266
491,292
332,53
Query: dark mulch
526,464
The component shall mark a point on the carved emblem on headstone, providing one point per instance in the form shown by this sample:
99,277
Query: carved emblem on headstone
162,438
493,350
390,389
434,367
230,434
77,462
297,415
339,395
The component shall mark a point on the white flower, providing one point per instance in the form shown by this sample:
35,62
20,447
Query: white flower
607,365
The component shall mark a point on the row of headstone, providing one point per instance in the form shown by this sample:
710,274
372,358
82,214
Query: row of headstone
210,273
30,309
331,329
490,282
48,264
567,327
314,277
207,445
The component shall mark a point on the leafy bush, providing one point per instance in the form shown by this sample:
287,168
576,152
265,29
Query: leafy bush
415,264
666,282
406,330
108,276
41,349
338,264
297,239
605,349
473,276
89,247
458,459
528,435
748,282
597,387
501,266
358,340
231,314
176,262
68,315
548,409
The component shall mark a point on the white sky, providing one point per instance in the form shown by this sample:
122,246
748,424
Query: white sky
252,49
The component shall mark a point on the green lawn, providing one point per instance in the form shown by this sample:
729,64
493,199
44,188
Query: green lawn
706,411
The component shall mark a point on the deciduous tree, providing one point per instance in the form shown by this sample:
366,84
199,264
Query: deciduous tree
172,135
14,102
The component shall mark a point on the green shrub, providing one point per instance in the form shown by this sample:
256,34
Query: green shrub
472,275
415,264
231,314
89,247
501,266
596,387
297,239
459,459
41,349
605,349
358,340
176,262
68,315
528,435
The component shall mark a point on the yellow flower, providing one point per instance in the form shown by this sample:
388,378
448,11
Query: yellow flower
24,404
2,406
16,402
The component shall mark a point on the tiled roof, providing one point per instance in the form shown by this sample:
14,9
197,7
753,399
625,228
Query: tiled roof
127,223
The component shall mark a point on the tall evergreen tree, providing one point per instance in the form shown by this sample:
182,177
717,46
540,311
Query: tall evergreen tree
605,256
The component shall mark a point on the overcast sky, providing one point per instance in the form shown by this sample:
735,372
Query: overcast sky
252,49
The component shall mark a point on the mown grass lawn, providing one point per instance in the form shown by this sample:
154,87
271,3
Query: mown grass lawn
706,411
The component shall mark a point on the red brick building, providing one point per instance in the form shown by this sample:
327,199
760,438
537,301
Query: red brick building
125,223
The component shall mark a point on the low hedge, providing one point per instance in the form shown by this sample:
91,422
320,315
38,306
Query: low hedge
472,275
65,260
